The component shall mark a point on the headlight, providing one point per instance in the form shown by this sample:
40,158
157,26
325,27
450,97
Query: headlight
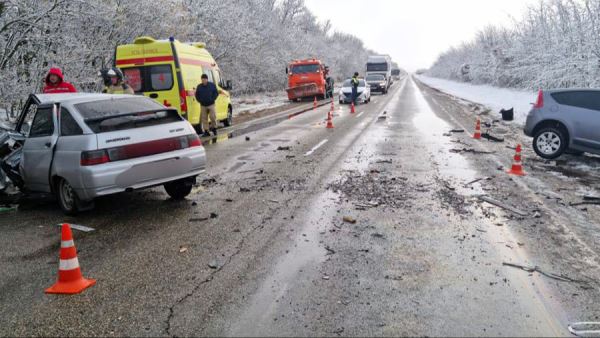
382,84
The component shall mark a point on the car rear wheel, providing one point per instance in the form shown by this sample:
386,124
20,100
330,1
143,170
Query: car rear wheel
179,189
229,120
549,142
68,200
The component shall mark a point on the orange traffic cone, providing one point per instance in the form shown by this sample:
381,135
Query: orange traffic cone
477,134
517,167
352,110
70,280
315,103
329,121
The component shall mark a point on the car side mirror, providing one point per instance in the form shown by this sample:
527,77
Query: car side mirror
228,85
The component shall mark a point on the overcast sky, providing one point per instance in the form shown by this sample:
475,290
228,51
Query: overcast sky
415,32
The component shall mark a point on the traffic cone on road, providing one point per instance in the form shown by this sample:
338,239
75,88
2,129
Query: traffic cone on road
70,279
477,134
315,103
329,121
517,166
352,110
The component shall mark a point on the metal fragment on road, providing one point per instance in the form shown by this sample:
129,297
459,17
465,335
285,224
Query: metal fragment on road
583,329
79,227
503,205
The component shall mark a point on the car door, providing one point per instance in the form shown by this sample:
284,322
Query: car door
583,112
38,148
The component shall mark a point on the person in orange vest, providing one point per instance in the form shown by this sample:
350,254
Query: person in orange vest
55,83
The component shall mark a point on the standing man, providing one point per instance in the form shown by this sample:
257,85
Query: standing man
55,83
206,94
355,82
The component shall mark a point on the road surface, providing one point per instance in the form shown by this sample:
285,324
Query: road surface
372,228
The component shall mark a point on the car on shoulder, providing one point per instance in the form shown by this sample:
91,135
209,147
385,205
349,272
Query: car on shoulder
363,92
83,146
565,120
377,83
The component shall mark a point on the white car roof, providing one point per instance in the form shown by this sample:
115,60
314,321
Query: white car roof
73,98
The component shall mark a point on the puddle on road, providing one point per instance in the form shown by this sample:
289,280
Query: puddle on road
451,165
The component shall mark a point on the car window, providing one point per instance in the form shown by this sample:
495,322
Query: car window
161,77
305,69
217,78
42,123
582,99
29,114
68,125
133,76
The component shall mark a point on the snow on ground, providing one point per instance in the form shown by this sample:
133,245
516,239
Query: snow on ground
493,97
256,102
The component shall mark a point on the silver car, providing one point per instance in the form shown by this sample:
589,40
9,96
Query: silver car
82,146
363,91
565,120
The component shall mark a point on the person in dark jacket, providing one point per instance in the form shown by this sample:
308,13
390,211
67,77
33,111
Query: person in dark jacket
207,94
355,82
55,83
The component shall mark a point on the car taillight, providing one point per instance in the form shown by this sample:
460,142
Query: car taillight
183,98
94,157
194,141
540,100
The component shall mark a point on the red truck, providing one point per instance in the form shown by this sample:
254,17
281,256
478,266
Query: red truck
308,79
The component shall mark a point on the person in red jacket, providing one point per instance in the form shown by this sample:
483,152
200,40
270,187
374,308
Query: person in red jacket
56,84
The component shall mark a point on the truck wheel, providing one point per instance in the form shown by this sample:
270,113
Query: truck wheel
229,120
179,189
68,200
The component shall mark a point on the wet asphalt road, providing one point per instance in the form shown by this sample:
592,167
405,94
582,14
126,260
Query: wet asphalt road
276,256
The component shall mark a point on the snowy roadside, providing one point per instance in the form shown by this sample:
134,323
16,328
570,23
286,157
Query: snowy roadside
252,103
492,97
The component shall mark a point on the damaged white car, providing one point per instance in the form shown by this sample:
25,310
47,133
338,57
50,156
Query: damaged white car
82,146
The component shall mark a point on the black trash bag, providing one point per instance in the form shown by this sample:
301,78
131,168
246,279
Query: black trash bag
508,114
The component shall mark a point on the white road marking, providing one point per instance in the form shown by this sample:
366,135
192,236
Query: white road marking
308,153
359,114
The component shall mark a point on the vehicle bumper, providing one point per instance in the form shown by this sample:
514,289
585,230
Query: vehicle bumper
115,177
530,123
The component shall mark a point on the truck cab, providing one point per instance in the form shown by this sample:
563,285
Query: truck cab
307,79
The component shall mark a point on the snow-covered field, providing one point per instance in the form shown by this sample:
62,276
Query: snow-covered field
257,102
492,97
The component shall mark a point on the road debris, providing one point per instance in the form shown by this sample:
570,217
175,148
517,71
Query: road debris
457,131
79,227
584,329
349,219
384,161
213,215
532,269
330,251
202,219
183,249
476,180
470,150
282,148
490,137
213,264
503,205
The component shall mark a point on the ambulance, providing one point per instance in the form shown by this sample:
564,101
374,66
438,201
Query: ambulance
168,71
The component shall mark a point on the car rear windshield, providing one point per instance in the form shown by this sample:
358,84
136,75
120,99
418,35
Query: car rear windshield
375,78
305,69
348,83
149,78
588,99
130,113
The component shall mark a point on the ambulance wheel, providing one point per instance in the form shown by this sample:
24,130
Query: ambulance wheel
229,120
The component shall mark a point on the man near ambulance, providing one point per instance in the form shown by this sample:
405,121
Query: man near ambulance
55,83
207,94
